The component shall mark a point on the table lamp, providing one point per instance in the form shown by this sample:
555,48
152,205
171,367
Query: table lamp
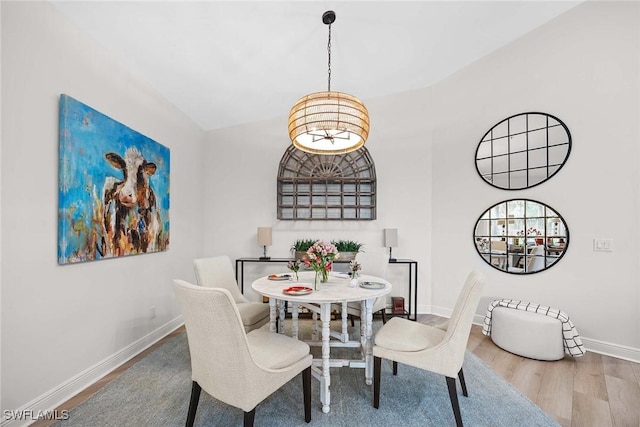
264,240
391,240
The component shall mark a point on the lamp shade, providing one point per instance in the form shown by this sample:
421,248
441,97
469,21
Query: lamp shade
391,237
328,122
264,236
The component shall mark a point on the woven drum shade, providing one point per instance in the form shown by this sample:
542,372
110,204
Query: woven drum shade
328,123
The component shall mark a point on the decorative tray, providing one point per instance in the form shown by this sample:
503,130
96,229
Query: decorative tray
297,290
372,285
279,277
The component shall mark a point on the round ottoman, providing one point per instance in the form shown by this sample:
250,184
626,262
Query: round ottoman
527,334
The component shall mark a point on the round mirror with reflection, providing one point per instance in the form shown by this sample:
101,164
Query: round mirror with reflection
523,151
521,236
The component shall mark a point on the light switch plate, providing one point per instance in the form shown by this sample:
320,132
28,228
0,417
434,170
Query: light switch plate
603,245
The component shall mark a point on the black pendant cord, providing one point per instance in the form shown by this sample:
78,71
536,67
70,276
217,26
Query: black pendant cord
329,18
329,61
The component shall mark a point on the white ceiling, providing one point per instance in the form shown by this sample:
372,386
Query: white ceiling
228,63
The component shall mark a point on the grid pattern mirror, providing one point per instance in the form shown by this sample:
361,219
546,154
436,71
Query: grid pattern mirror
326,187
521,236
523,151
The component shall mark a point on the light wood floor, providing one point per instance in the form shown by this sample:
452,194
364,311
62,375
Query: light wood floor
589,391
592,390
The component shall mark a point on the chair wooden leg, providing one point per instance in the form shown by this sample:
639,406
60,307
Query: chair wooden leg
384,316
193,404
377,363
453,395
462,383
395,368
306,391
249,417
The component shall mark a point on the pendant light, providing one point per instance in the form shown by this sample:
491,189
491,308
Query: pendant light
328,122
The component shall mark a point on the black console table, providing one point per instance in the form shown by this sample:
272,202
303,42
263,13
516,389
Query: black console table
412,313
413,283
240,267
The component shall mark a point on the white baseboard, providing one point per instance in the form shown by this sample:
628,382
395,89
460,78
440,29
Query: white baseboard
614,350
47,402
601,347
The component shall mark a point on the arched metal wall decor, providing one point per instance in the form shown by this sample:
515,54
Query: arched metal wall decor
523,151
521,236
326,187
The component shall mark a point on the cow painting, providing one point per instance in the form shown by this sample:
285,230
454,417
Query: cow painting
113,191
131,223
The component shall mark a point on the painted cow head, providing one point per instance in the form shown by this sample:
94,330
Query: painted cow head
134,190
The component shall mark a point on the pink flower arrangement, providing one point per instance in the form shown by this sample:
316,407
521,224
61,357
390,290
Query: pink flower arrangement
354,266
294,266
531,231
320,257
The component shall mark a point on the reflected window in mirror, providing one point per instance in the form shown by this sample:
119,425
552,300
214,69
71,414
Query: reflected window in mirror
523,151
521,236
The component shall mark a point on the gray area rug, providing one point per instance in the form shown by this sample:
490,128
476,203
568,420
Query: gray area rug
156,391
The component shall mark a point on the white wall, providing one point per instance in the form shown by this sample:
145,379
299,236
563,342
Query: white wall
579,67
60,323
240,179
583,68
0,232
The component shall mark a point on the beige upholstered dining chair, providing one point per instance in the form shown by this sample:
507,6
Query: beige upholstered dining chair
238,368
374,264
218,272
498,254
499,245
431,348
535,261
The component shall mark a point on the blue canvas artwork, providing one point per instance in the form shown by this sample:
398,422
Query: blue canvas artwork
113,190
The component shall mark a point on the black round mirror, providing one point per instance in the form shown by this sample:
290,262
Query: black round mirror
523,151
521,236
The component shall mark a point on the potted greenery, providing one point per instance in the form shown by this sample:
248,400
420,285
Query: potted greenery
301,246
347,249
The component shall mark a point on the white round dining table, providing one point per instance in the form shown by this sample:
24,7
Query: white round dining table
337,290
